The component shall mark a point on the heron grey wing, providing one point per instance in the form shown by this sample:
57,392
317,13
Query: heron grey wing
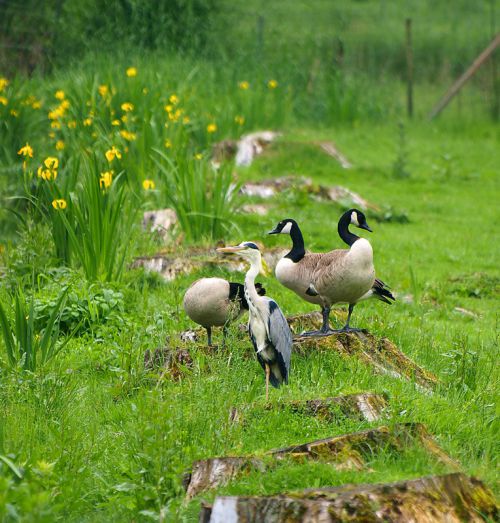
280,334
252,337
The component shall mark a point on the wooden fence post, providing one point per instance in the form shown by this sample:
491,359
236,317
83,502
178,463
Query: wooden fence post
409,69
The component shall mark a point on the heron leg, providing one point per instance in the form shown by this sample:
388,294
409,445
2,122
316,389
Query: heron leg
209,335
268,372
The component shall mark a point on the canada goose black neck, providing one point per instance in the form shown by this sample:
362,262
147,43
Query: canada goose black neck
298,251
343,229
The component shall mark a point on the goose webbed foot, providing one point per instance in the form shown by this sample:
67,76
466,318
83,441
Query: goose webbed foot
346,328
311,333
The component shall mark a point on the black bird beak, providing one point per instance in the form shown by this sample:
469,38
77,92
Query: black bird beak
366,227
274,231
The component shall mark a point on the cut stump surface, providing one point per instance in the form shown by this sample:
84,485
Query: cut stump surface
450,498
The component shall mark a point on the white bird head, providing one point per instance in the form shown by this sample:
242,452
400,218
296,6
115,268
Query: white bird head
247,250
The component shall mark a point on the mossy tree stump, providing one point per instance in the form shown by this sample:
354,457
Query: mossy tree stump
453,498
380,353
348,451
363,407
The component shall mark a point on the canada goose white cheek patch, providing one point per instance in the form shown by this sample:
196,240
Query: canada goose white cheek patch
354,218
287,228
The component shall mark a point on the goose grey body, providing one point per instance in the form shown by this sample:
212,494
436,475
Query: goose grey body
338,276
207,303
215,302
267,326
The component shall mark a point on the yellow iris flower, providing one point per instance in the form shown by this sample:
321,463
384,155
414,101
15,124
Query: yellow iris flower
106,179
26,151
113,153
59,204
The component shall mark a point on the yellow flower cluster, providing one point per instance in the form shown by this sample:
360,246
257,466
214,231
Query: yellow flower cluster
131,72
211,128
32,100
59,204
106,179
3,83
174,113
113,153
148,185
128,135
59,112
60,145
127,106
60,95
49,170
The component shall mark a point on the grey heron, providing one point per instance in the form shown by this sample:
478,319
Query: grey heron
267,327
338,276
215,302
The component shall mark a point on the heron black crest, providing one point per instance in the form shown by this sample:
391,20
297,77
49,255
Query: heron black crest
251,245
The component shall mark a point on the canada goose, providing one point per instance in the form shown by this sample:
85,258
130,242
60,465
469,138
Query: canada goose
215,302
338,276
267,327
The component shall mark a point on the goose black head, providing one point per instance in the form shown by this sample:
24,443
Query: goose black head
358,219
283,227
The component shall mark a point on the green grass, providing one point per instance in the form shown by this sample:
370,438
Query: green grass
92,436
98,439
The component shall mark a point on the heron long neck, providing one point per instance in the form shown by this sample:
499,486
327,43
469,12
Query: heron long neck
298,251
343,229
252,273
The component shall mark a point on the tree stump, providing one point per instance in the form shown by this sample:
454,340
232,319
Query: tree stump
380,353
170,361
348,451
450,498
363,407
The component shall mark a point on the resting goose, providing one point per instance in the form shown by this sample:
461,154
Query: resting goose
215,302
339,276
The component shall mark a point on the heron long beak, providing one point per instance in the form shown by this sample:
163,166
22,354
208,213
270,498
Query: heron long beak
230,250
366,227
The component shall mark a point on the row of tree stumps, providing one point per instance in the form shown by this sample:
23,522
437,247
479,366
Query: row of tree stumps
452,497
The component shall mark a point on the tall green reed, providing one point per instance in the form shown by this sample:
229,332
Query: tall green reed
97,221
203,197
26,346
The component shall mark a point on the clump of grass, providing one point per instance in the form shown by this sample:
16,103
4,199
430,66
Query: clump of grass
203,197
93,223
26,346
